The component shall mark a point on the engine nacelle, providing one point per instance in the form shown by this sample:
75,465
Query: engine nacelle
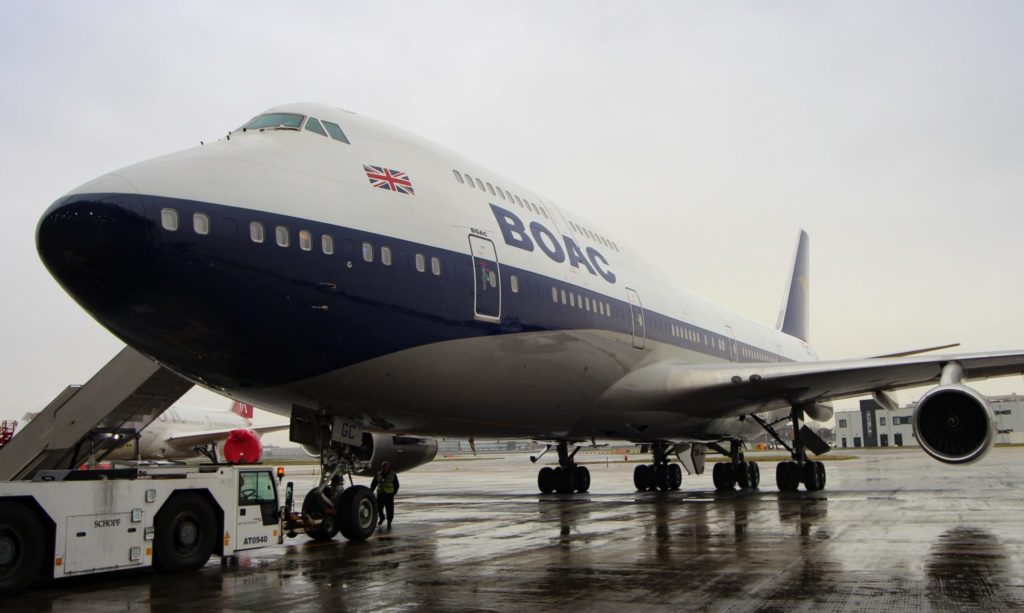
404,452
242,447
954,424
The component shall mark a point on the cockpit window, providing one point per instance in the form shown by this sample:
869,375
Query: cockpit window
273,121
335,131
314,126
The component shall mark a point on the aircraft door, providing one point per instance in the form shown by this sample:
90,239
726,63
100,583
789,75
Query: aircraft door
734,350
486,279
636,310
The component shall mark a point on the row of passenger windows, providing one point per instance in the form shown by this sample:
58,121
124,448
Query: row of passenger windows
757,355
497,191
580,302
594,236
282,236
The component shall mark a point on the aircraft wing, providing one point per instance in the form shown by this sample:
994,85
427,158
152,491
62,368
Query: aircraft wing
194,439
731,390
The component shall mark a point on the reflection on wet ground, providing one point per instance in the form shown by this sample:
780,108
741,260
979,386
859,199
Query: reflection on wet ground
894,531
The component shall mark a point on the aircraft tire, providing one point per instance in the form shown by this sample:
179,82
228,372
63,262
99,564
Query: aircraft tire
754,472
640,477
21,547
723,476
185,533
787,476
813,476
675,476
315,508
582,479
565,480
661,477
742,470
821,469
356,513
546,480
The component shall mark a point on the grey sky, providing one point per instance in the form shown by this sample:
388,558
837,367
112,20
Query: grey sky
704,134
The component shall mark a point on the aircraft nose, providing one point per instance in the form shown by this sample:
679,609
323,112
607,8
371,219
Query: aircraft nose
93,243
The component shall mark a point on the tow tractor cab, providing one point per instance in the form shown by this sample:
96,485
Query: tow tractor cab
67,523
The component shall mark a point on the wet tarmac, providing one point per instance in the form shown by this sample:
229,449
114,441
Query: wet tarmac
895,530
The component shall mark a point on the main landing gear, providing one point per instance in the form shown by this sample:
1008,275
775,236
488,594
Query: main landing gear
737,471
662,475
330,507
567,477
790,474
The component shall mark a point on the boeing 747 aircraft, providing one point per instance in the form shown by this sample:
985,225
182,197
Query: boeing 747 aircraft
395,287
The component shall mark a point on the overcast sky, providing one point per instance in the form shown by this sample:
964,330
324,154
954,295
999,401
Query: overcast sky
705,134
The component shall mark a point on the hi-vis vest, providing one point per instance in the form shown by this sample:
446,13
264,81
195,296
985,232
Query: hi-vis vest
386,484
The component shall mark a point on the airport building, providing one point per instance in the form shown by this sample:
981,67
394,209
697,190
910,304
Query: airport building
873,426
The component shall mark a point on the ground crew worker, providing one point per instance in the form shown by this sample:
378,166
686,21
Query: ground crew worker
386,485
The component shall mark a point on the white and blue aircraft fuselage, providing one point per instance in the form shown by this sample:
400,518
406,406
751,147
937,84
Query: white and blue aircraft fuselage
320,259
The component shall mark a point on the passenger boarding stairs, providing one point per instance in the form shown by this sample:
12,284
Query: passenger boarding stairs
124,396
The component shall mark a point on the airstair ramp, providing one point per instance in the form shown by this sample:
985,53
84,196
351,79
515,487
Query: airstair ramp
128,393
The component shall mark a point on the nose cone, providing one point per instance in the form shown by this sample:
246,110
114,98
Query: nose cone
94,244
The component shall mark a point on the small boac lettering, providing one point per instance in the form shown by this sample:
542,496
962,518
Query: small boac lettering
515,234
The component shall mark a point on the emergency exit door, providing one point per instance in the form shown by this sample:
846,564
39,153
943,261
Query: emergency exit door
486,279
636,311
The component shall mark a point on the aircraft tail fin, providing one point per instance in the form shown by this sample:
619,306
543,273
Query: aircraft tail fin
794,315
240,408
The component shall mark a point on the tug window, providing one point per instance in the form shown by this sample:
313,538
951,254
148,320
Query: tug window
201,223
327,244
305,240
281,233
256,231
169,219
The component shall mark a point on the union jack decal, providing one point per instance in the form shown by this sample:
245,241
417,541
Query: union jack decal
390,179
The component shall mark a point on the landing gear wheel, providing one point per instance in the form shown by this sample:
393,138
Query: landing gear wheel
313,507
565,480
661,477
814,476
546,480
741,469
675,476
582,479
787,476
21,551
185,533
723,476
753,474
642,477
356,513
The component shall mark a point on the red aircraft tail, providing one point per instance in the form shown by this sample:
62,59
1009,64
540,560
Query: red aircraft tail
240,408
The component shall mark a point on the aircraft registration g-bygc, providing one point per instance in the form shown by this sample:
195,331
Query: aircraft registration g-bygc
322,265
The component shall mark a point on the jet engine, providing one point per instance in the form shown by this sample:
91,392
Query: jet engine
954,424
404,452
242,447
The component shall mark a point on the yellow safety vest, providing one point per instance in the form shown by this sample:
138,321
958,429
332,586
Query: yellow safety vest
386,484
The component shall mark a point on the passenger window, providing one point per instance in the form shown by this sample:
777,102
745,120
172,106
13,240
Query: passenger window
305,240
314,126
544,213
421,263
518,201
572,299
469,180
586,301
458,177
256,231
563,297
169,219
327,244
435,265
480,184
201,223
514,282
281,233
335,131
490,188
554,295
500,193
508,195
367,252
385,256
535,209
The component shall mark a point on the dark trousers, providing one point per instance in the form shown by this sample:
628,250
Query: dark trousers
386,503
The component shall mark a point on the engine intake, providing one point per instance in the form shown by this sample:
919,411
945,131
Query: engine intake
954,424
404,452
